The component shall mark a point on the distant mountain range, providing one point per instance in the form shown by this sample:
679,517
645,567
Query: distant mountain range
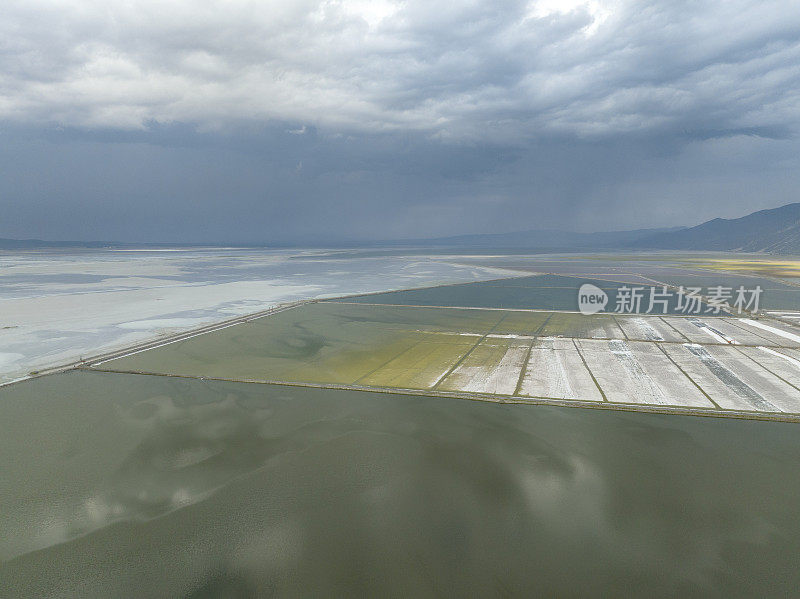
29,244
545,239
775,231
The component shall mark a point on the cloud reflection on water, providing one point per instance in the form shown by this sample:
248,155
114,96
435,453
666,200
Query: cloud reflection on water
250,489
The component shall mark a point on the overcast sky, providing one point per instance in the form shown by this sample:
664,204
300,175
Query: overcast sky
259,121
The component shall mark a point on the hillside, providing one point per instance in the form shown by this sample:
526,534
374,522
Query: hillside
776,230
545,239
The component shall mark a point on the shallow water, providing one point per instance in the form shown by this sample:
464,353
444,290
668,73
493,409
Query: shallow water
125,485
540,292
58,306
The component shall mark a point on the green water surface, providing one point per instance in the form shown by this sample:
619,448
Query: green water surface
115,485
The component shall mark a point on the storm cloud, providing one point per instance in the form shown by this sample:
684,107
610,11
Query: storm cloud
279,121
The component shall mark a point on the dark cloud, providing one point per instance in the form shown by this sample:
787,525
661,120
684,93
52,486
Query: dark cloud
303,120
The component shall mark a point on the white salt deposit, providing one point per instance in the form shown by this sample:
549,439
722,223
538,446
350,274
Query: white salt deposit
59,306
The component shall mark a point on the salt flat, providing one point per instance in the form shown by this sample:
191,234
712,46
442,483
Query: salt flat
555,369
56,306
65,305
497,355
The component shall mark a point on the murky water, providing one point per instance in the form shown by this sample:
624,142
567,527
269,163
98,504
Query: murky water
136,486
540,292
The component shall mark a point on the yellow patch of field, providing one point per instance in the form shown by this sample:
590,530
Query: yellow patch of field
422,366
765,267
349,366
524,323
